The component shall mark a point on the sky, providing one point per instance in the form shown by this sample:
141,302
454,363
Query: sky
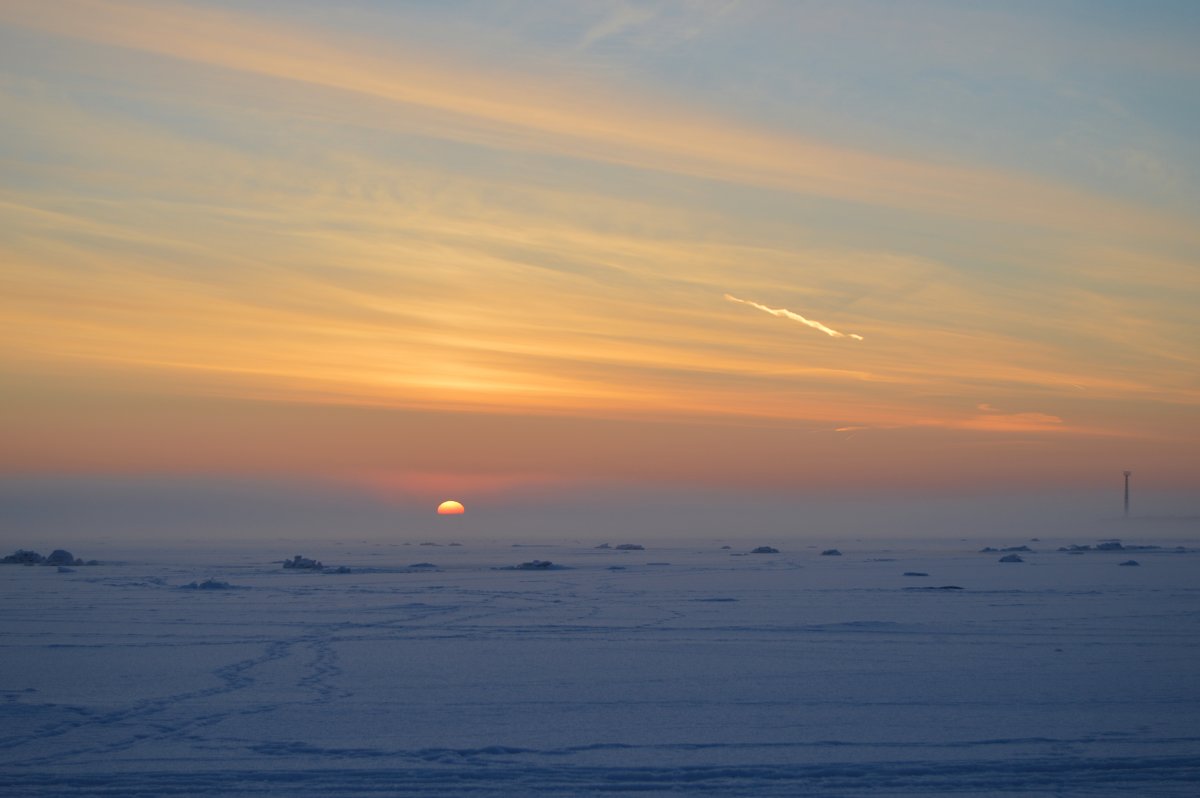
565,261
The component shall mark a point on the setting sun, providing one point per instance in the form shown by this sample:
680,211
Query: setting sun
451,507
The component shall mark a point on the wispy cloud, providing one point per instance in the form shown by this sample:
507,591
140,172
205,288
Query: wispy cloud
620,19
524,112
784,313
994,419
269,214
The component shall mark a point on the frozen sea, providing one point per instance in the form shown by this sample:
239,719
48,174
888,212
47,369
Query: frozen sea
681,669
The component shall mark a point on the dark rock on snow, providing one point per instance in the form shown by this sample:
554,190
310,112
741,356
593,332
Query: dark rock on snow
61,557
24,557
1011,558
1113,545
831,553
303,563
532,565
764,550
207,584
57,557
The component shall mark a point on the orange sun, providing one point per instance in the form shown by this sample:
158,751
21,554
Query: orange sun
451,507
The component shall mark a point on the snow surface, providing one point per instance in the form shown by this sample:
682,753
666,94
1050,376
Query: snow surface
714,675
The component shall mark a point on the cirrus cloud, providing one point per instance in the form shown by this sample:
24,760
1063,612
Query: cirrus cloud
784,313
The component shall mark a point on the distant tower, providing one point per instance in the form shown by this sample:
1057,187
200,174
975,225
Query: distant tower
1127,473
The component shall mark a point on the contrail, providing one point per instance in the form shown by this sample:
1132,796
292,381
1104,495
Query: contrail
787,314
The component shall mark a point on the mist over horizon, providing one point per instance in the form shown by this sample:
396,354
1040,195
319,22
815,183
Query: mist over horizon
44,511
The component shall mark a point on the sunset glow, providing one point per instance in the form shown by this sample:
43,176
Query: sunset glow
823,377
765,246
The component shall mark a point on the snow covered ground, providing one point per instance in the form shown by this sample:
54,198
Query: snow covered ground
680,669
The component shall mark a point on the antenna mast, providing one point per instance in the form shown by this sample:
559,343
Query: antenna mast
1127,473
